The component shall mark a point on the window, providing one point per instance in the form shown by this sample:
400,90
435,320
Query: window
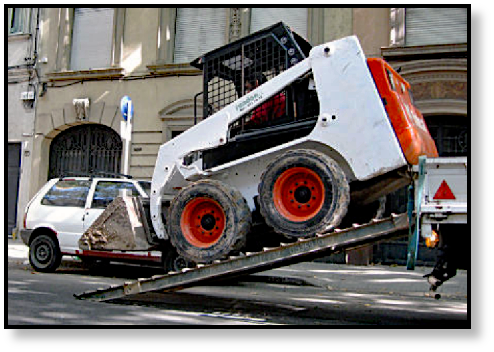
426,26
106,191
199,30
67,193
295,18
18,20
92,38
450,134
84,149
176,133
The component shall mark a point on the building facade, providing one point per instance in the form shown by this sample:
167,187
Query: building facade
22,84
89,58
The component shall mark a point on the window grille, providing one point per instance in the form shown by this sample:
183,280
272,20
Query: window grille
83,150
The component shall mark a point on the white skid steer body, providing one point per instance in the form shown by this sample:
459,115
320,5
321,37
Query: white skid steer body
352,128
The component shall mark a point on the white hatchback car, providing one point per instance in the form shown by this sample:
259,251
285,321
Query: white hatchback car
63,209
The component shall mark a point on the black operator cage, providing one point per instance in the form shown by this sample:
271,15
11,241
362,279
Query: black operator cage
225,70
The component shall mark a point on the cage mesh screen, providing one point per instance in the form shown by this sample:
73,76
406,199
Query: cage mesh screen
226,74
267,52
257,58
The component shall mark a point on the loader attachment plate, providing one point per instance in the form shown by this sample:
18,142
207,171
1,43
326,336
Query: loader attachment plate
122,226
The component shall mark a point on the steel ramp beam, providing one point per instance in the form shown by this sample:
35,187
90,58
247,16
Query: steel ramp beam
269,258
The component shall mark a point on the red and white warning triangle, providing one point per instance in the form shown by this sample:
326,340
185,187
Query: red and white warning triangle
444,192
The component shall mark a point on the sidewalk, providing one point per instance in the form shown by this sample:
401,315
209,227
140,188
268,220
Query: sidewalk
17,249
337,277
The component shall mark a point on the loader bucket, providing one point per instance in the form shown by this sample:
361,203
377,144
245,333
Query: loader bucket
122,226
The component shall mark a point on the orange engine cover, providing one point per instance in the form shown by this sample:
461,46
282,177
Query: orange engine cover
407,121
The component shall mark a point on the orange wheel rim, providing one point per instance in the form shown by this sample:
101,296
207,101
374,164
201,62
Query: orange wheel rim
202,222
298,194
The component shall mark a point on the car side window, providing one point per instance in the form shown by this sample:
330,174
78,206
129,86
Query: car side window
106,191
67,193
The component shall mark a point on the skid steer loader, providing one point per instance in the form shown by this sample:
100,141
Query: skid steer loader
344,134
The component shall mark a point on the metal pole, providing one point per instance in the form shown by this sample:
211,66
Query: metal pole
414,234
128,134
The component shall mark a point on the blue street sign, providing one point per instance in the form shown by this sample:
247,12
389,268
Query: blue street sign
126,108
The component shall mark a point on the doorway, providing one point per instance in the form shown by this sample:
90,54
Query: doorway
14,171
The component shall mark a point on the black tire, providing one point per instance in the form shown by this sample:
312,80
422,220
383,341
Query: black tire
362,214
172,261
95,264
44,254
208,219
303,192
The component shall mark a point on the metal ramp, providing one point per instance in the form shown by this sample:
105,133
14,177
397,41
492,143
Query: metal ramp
268,258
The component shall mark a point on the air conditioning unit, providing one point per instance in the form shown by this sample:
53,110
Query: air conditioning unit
27,95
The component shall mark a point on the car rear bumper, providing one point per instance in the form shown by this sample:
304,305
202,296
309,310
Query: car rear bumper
25,236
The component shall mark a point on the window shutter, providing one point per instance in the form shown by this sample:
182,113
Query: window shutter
198,30
92,38
295,18
424,26
19,20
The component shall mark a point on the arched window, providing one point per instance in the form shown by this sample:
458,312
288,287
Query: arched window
85,149
450,134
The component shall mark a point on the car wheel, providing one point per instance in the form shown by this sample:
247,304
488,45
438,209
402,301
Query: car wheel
44,254
173,262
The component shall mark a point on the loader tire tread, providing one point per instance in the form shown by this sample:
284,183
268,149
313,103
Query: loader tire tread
237,221
331,214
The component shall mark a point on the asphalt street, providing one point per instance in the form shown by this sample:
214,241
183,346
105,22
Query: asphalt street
301,294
